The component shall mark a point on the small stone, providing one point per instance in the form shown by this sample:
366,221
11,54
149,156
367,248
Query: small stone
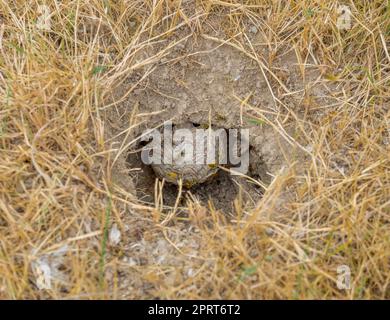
115,235
131,262
190,272
253,29
181,45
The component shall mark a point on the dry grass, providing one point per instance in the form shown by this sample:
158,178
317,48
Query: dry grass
55,165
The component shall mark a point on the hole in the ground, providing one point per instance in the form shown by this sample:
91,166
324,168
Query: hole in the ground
221,190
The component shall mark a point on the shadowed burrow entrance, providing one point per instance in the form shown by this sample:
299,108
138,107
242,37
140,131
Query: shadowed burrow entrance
220,191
